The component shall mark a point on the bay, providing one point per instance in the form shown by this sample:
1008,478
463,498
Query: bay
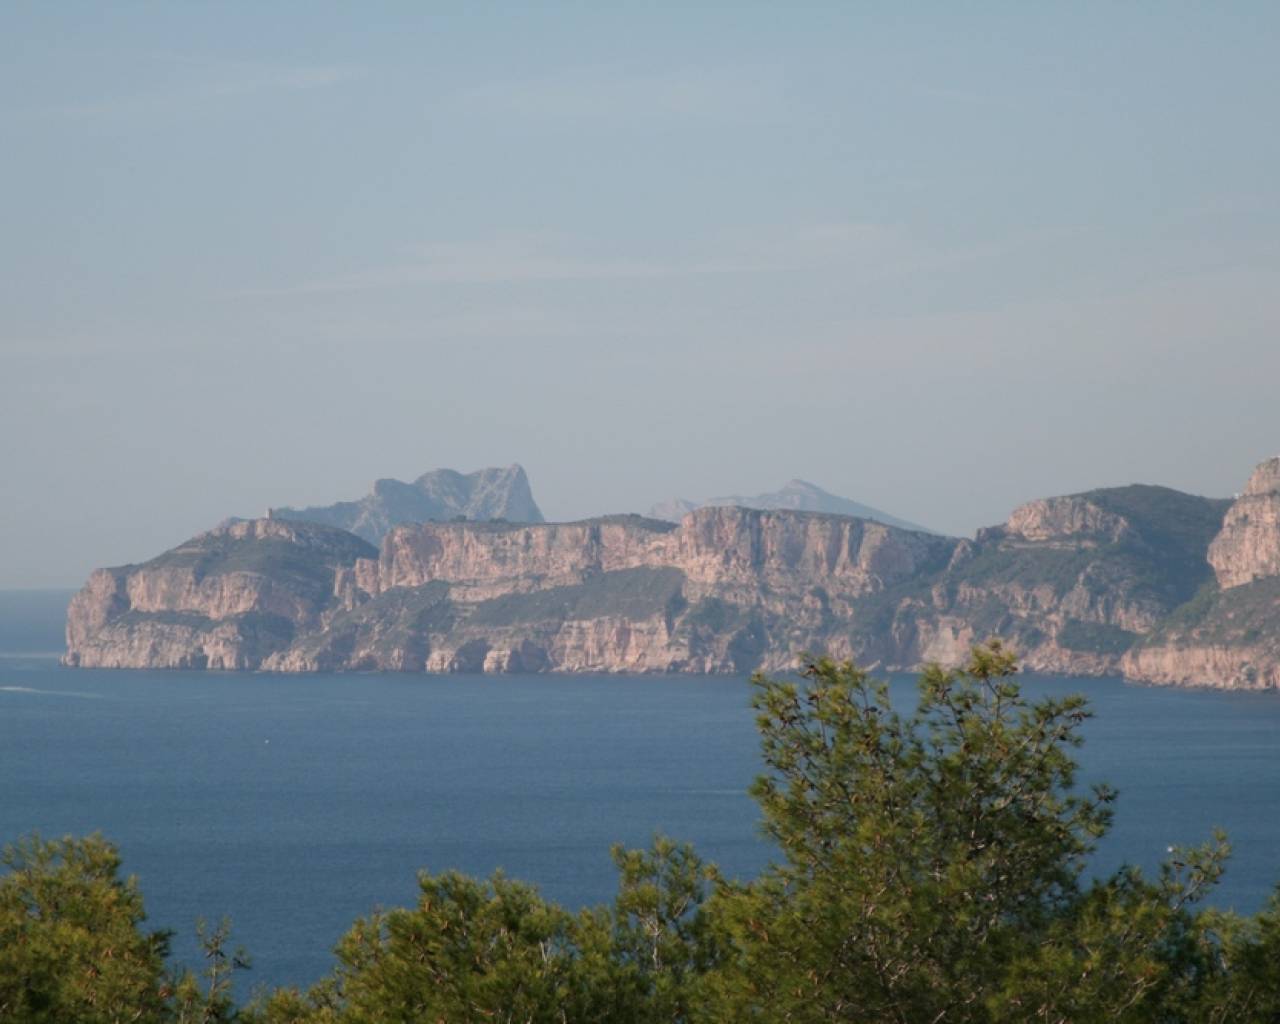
293,804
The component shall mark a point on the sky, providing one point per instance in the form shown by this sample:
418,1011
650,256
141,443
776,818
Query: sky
938,258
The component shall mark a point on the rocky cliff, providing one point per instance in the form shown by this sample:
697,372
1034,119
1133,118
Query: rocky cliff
1248,548
728,589
1229,634
225,599
441,494
1144,581
1072,582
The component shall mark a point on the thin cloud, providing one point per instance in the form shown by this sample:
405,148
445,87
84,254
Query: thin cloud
1003,100
200,81
513,260
725,93
869,251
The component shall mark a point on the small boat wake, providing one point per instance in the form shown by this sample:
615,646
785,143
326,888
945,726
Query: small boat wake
50,693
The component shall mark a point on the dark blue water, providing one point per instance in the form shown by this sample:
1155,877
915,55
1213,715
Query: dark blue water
294,804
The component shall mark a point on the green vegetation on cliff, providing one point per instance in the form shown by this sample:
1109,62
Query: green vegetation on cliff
1164,517
932,867
221,551
638,593
1238,616
303,563
1095,636
1175,531
1163,555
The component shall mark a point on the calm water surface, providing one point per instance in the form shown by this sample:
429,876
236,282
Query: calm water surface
295,803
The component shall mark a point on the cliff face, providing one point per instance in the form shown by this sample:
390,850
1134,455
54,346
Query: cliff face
484,560
718,549
728,589
1229,634
1072,582
1227,638
441,494
1158,585
1248,548
224,599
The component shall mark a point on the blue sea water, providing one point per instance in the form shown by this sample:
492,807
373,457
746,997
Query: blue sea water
293,804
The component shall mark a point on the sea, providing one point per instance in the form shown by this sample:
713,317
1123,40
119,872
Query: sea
293,804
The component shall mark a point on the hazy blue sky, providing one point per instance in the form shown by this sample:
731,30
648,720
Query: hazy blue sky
939,258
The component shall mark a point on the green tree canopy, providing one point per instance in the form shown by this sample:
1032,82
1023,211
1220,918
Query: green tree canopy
71,943
932,863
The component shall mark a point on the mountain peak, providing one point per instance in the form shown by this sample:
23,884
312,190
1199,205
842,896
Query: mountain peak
438,494
797,494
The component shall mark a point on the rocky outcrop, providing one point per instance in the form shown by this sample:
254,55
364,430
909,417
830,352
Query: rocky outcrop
439,495
1228,634
1248,548
1072,582
794,495
225,599
1074,519
1145,581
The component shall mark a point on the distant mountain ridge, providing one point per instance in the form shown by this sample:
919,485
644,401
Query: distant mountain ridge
799,495
437,496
